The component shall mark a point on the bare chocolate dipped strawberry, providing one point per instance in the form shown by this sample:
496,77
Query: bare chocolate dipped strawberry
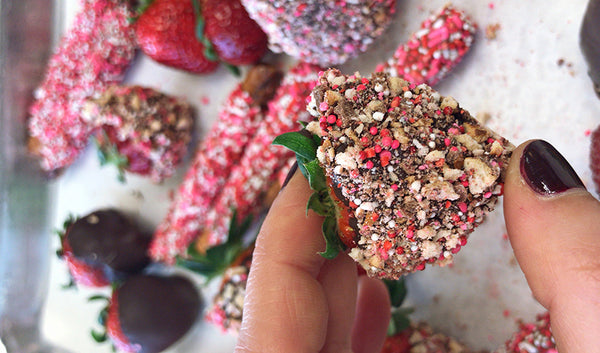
102,247
149,313
402,174
142,130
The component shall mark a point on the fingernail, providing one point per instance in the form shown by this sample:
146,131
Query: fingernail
290,174
546,171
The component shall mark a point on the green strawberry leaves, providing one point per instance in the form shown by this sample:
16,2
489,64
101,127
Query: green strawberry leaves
108,154
217,258
305,145
399,320
209,49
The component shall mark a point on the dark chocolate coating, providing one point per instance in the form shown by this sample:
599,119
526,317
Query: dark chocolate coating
108,238
157,311
589,40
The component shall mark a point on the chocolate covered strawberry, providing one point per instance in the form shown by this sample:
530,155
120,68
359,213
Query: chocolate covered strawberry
236,38
401,173
102,247
149,313
140,130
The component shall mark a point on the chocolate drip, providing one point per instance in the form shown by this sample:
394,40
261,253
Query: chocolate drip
589,40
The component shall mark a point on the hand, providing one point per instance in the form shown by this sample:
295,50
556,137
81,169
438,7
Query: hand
296,301
554,227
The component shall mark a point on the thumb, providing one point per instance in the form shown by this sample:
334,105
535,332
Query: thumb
554,228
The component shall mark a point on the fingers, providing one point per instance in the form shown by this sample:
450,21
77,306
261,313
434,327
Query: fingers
338,278
372,316
554,227
286,307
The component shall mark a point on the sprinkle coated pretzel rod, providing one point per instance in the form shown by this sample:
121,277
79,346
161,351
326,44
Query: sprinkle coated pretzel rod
432,51
220,150
261,162
93,54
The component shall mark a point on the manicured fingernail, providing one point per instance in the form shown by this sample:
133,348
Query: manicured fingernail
290,174
546,171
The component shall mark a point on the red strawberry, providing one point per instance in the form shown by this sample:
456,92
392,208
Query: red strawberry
166,32
82,272
398,343
103,246
148,313
595,158
237,39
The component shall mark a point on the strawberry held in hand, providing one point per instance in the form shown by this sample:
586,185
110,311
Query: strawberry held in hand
401,173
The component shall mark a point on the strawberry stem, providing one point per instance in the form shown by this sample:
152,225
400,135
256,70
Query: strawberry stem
108,153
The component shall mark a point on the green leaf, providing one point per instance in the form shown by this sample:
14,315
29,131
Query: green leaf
99,337
98,297
217,258
397,291
108,153
316,204
233,69
298,143
316,176
399,321
333,244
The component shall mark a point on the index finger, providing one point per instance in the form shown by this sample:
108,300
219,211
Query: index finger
286,308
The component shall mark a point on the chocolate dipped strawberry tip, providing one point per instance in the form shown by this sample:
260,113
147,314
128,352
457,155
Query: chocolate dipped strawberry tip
409,172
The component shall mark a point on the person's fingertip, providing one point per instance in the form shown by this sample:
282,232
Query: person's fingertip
372,316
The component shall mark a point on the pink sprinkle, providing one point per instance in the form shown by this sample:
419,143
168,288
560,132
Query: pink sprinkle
447,141
377,148
394,187
587,132
395,144
462,206
361,87
369,165
386,141
331,119
409,234
323,106
491,5
487,195
373,130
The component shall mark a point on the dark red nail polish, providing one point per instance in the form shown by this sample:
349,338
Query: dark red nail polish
546,171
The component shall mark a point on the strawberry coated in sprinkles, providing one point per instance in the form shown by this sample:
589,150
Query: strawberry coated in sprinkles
228,304
432,51
416,171
322,32
533,337
258,168
149,128
93,54
221,149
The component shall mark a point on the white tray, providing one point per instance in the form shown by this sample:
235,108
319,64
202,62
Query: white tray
517,78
